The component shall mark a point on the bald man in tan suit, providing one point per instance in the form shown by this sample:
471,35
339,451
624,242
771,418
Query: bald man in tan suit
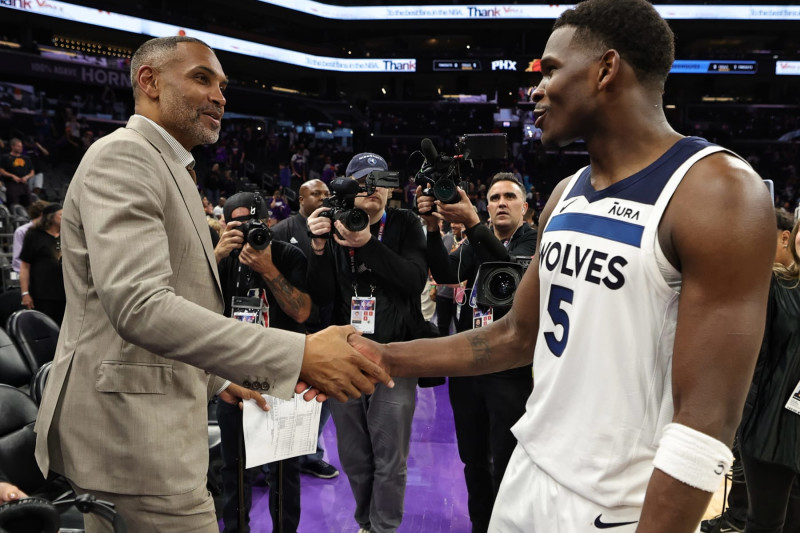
124,411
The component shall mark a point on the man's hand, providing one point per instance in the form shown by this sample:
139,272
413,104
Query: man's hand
463,212
9,492
230,240
319,226
333,367
259,260
237,394
426,206
353,239
27,301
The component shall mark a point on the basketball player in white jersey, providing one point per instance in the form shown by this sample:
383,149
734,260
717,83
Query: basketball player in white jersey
647,308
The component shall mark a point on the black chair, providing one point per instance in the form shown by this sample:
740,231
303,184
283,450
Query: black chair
52,503
10,302
14,369
37,382
36,336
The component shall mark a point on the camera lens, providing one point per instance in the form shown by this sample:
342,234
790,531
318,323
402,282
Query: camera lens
501,286
446,191
355,219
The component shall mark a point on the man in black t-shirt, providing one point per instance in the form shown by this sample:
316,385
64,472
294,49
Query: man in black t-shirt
16,169
41,279
279,273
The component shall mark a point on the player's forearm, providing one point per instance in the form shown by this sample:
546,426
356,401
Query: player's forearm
497,347
671,506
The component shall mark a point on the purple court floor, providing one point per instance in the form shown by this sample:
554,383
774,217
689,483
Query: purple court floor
436,498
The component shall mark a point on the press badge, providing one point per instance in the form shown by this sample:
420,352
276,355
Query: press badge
794,401
481,317
247,309
362,313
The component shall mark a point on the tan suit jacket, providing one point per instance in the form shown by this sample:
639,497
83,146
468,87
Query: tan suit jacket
124,409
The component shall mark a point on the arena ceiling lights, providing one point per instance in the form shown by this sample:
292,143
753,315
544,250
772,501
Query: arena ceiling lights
116,21
534,11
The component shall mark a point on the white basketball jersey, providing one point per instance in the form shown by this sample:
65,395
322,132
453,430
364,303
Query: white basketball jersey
603,361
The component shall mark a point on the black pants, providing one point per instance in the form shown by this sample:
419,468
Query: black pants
230,422
772,491
445,314
485,408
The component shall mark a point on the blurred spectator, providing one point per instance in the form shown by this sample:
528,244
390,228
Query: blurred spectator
35,212
40,277
16,169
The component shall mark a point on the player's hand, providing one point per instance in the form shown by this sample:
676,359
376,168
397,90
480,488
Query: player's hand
27,301
370,349
333,367
309,393
237,394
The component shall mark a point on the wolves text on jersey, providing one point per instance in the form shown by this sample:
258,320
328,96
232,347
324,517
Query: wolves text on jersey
593,265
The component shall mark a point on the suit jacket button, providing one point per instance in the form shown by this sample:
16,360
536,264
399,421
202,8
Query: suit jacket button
207,373
246,384
256,385
265,386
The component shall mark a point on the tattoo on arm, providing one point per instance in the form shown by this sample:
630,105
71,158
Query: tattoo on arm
291,300
480,347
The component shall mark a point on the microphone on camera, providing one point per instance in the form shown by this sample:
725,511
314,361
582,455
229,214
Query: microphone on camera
344,186
429,151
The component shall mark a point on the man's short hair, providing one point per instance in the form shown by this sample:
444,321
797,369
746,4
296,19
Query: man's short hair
631,27
508,176
156,52
785,220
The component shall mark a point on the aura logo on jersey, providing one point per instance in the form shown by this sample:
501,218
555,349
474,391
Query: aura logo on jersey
593,266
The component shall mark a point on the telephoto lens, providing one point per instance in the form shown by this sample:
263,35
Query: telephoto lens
353,219
256,234
446,191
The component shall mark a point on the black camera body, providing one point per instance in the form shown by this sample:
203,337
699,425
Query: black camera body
341,202
256,233
440,173
497,281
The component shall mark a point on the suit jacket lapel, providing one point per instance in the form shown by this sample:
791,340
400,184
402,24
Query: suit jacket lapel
186,187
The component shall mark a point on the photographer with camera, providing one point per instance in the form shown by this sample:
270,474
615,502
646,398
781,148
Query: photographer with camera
484,407
252,264
373,276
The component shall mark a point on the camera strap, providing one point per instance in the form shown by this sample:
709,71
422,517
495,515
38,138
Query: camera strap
362,309
351,252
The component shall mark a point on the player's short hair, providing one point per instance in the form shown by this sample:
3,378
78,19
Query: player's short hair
157,52
631,27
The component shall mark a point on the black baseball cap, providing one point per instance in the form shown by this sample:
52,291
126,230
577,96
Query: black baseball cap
248,200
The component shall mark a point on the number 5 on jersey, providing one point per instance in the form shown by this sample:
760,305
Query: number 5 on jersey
559,316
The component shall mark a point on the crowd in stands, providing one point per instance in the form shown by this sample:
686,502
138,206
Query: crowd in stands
270,154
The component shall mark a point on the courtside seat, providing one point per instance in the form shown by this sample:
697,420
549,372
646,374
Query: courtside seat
36,336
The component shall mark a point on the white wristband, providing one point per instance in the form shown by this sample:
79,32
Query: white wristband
693,457
25,293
